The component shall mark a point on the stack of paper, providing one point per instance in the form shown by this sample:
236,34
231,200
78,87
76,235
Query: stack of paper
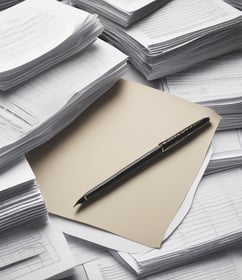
223,266
133,75
178,35
35,111
236,3
34,41
20,197
95,262
227,151
213,223
216,83
122,12
36,251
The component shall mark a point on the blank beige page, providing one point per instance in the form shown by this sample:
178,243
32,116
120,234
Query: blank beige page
128,121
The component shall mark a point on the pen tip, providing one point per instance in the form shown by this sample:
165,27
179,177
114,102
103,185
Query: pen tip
80,201
76,204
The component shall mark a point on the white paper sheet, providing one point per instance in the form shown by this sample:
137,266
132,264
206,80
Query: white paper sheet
83,251
32,37
223,266
190,16
215,80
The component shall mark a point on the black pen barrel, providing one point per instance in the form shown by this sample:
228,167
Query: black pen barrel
184,134
130,169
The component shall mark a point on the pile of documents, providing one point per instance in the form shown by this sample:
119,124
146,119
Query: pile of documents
35,111
227,150
95,262
225,265
122,12
216,83
32,42
54,67
34,251
133,75
212,224
178,35
20,197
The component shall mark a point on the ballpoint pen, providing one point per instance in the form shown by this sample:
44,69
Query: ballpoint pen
172,142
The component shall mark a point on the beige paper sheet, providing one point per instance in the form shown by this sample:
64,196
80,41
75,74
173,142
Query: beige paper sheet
128,121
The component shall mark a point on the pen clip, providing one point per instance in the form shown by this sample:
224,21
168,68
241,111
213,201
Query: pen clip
179,137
